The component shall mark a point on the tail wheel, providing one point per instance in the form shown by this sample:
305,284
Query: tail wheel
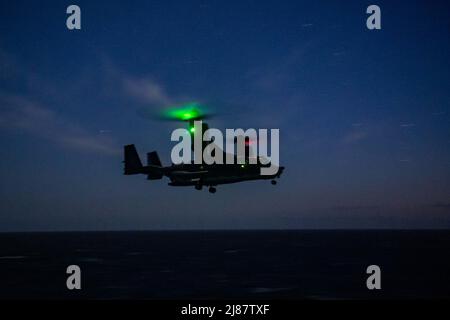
212,190
198,186
273,182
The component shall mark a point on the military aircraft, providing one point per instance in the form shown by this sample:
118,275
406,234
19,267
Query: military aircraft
191,174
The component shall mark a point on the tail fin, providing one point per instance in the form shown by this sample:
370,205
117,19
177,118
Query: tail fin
133,164
154,171
153,159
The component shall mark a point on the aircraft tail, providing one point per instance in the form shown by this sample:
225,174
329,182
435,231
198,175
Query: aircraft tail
133,164
154,171
153,159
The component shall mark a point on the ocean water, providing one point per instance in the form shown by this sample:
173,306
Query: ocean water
226,264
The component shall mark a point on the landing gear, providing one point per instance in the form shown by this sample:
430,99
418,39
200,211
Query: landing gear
198,187
273,182
212,190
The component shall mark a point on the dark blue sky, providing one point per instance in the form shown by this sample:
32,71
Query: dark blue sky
364,116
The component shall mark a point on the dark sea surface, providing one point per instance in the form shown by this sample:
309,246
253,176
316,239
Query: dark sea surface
226,264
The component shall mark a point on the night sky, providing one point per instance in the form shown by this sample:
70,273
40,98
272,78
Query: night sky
364,116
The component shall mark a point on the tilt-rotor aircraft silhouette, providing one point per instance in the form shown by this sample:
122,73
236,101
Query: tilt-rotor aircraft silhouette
198,175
